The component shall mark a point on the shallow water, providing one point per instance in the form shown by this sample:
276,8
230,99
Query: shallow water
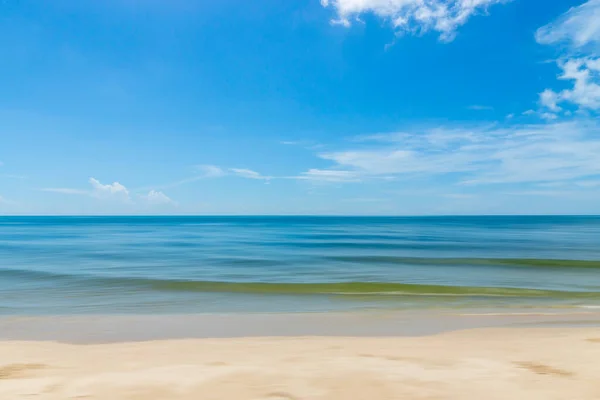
66,265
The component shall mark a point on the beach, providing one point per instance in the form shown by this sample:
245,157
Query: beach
299,308
499,363
300,200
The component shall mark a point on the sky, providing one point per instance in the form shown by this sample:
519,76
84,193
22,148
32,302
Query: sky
353,107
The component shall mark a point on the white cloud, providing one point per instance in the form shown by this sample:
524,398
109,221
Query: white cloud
116,192
510,116
112,190
578,28
248,173
157,198
479,155
413,16
549,99
99,190
577,35
585,76
548,116
543,114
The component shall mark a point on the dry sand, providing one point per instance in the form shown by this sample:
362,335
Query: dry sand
540,363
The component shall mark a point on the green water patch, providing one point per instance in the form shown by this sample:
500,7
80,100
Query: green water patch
524,262
133,284
361,289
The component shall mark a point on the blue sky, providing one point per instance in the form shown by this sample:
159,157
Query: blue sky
402,107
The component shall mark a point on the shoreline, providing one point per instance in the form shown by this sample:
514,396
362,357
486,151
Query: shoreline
495,364
93,329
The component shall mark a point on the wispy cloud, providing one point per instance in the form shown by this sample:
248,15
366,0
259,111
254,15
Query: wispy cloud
592,183
209,171
5,201
540,193
329,175
459,196
478,107
14,176
307,144
67,191
366,200
248,174
412,16
201,172
478,155
8,205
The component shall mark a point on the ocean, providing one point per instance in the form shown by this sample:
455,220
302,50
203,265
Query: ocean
278,264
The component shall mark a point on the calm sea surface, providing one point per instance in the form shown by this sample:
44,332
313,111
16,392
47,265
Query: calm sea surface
80,265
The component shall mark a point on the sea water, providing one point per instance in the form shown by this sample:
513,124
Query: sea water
190,264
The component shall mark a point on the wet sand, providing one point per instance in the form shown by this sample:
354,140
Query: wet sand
86,329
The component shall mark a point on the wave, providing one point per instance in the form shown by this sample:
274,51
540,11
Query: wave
288,288
524,262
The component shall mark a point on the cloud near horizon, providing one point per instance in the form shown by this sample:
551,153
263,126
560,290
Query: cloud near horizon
157,198
485,154
112,190
115,192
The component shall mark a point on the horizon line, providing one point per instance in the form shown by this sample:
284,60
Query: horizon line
299,215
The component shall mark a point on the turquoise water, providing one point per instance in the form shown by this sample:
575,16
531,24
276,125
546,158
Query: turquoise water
66,265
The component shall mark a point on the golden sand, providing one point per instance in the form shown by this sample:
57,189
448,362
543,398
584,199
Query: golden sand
540,364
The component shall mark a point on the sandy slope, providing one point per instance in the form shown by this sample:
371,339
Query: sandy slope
477,364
